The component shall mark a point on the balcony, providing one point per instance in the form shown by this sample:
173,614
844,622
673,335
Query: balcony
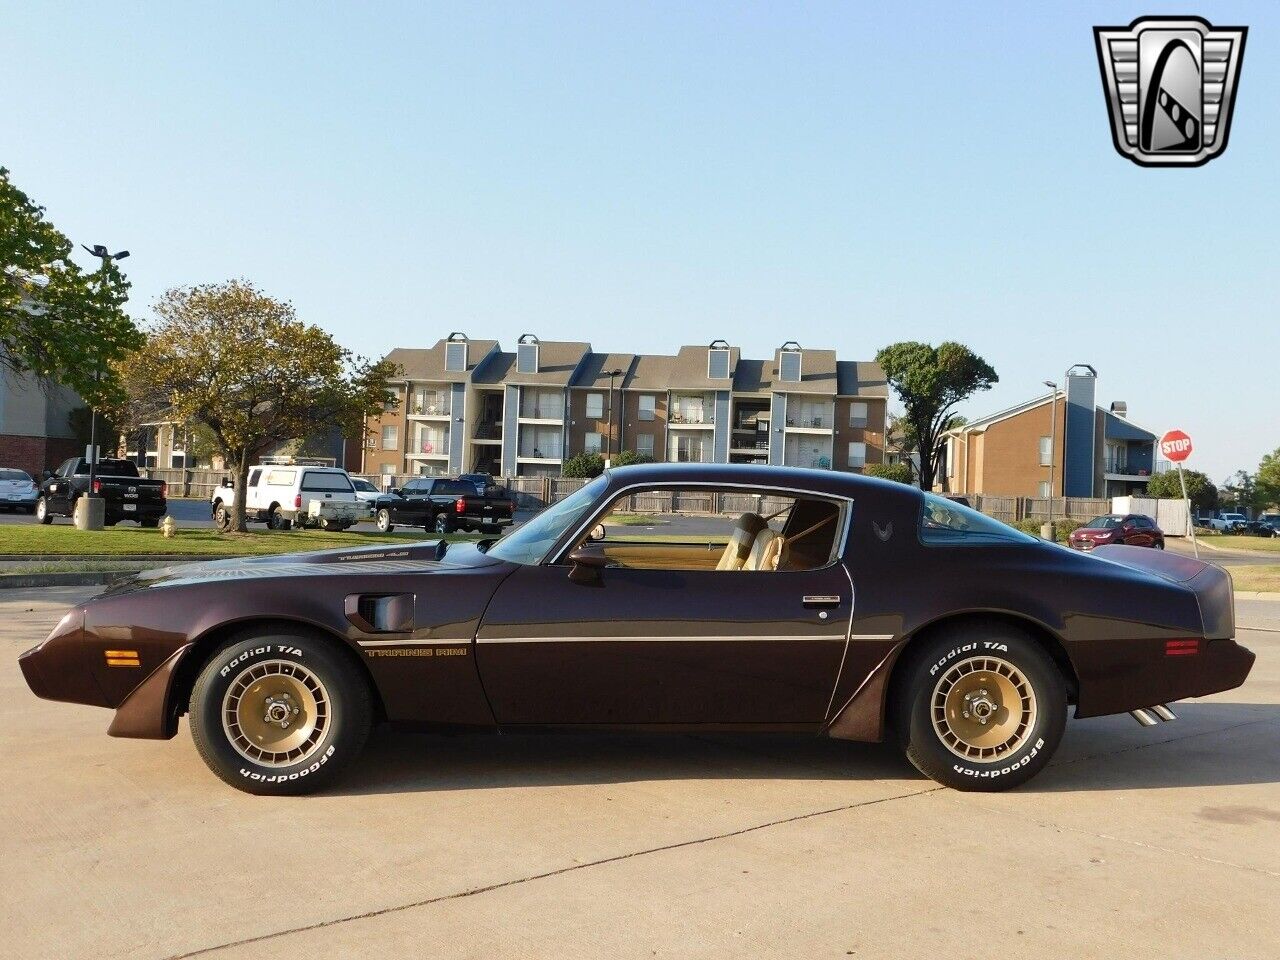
488,432
819,422
545,406
430,407
692,410
429,444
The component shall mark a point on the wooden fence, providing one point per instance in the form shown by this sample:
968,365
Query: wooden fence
1013,509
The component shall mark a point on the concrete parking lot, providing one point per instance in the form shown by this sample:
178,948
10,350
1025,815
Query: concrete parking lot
1161,842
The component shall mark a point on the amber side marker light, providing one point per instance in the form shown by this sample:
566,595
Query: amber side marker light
123,658
1182,648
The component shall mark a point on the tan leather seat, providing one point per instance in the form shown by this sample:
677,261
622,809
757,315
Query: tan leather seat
736,551
764,551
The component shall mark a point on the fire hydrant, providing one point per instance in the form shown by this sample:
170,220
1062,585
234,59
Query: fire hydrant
169,527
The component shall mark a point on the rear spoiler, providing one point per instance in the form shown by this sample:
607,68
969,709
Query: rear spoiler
1211,584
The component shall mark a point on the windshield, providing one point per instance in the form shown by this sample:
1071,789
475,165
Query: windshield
364,486
530,543
945,521
1104,523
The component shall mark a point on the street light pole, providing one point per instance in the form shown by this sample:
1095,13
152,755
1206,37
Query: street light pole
105,257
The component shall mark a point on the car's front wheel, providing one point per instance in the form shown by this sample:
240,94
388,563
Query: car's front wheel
42,511
980,707
384,521
279,713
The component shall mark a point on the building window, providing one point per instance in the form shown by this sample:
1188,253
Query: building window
455,356
392,400
388,469
857,454
717,364
644,444
789,366
648,404
1044,489
857,414
595,406
593,443
688,449
1046,451
390,437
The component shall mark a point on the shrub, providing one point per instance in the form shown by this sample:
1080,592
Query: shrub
583,466
629,457
889,471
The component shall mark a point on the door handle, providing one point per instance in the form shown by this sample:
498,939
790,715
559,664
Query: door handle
823,600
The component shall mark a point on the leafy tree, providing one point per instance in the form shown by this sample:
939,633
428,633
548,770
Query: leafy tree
1239,492
583,465
56,320
1267,480
79,420
930,381
1200,489
628,458
230,359
900,472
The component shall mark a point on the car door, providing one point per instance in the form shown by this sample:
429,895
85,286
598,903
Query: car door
654,646
411,507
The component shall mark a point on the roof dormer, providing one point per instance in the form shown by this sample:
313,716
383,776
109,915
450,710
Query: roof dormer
718,358
789,362
455,352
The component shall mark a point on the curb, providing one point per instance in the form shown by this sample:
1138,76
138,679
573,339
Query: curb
1257,595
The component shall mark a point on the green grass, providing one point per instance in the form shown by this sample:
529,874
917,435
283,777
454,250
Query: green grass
632,520
1255,544
1265,577
59,540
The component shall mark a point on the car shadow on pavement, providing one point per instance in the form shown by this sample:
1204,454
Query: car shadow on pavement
1211,744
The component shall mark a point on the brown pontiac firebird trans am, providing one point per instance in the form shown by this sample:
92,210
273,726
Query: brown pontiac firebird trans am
810,601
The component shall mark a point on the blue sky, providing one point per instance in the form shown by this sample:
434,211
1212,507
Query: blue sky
645,175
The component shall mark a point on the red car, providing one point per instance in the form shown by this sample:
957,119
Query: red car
1132,529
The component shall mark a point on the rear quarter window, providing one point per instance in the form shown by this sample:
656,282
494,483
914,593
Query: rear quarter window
944,522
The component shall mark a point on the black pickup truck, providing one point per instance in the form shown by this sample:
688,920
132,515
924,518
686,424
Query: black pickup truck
443,505
127,496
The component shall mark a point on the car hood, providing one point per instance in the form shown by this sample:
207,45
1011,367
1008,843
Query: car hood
418,557
1092,532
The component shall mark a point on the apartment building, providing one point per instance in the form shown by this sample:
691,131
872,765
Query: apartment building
35,430
524,413
1059,444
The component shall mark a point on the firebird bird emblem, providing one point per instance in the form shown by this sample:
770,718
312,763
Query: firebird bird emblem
885,532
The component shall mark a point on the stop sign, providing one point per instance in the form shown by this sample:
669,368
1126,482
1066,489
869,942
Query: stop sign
1175,445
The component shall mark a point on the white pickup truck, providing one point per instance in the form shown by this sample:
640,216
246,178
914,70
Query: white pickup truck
283,495
1228,522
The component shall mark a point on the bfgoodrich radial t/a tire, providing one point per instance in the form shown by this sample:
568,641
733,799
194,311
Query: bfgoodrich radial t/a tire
279,714
980,707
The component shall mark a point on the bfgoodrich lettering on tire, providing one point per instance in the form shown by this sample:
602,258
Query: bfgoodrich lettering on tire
980,707
275,713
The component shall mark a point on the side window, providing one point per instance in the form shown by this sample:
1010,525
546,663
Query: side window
946,522
729,530
254,475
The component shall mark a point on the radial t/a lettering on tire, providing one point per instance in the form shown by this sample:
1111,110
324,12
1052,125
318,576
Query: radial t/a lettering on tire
275,713
980,707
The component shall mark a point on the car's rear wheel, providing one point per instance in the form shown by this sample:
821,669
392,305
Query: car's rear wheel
443,524
42,511
980,707
384,521
149,522
277,520
279,714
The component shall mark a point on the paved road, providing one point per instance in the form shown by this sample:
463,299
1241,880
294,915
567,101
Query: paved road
1160,843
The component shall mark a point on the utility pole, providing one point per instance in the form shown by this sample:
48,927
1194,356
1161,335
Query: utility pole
608,441
1053,447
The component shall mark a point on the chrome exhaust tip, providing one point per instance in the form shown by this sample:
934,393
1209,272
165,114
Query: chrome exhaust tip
1144,718
1164,713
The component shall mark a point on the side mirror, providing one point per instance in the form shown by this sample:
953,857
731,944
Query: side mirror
597,533
586,566
228,483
